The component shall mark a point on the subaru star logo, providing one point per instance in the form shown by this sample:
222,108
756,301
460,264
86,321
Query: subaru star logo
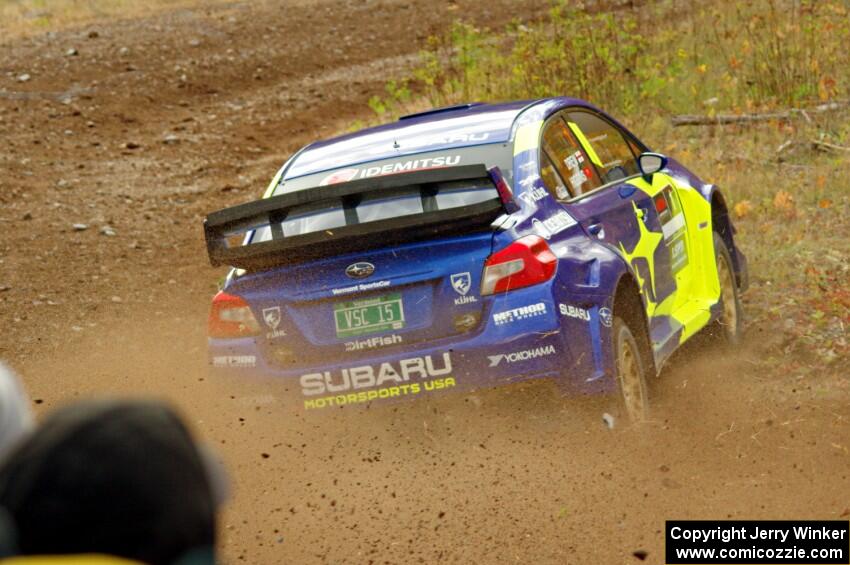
606,316
360,270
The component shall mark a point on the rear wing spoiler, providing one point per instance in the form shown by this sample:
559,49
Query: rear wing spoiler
224,228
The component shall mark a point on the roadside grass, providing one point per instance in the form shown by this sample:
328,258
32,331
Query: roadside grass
788,196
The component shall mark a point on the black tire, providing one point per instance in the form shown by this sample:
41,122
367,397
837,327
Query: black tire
630,368
730,325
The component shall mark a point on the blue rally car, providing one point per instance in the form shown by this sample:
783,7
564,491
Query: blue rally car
473,246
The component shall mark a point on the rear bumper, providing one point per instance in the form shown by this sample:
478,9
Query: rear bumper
524,336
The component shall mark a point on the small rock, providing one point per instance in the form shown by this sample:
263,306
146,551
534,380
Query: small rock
640,554
72,52
108,231
5,287
609,420
265,455
24,77
131,145
194,42
76,328
80,227
116,299
27,216
171,139
664,468
124,51
61,183
93,34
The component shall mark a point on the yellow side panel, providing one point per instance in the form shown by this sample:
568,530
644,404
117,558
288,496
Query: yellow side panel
698,284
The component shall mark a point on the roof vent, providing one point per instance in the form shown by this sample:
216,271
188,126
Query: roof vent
441,110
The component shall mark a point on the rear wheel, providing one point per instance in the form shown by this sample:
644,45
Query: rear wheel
630,372
729,325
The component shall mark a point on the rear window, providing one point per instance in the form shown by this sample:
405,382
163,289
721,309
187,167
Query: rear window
385,205
381,206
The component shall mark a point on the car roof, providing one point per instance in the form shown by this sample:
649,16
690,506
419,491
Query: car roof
433,130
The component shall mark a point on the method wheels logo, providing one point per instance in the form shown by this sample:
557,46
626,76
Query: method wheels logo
518,356
235,361
521,313
360,270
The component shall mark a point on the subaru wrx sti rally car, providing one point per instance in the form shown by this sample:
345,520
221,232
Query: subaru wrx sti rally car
471,246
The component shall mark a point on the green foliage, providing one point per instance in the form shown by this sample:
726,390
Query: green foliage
658,58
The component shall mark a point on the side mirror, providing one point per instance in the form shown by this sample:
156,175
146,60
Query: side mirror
651,163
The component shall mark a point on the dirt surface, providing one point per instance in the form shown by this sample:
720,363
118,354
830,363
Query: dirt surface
135,129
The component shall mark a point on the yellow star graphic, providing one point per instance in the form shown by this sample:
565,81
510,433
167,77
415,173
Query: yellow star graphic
645,248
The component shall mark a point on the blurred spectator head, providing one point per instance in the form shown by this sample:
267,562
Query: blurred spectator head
15,415
121,478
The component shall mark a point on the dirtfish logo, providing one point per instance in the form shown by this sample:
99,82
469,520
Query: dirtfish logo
372,342
518,356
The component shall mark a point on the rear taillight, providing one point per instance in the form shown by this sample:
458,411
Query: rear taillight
525,262
230,316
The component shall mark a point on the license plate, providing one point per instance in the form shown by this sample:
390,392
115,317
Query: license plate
371,315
